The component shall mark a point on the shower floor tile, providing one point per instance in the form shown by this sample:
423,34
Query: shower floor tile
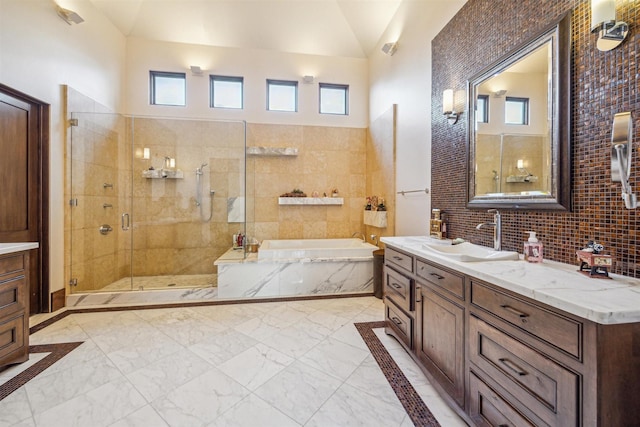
164,282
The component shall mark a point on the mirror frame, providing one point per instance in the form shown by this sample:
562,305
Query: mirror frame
560,198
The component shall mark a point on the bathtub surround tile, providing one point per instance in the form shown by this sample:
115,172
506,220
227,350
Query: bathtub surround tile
227,377
298,277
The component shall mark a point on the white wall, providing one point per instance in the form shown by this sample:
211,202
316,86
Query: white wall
38,53
255,66
405,79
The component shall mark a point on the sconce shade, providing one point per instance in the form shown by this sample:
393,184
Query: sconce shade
146,153
520,164
447,101
196,70
308,79
602,11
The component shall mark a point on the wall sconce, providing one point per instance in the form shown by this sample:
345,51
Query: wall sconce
603,21
308,79
448,106
146,153
390,48
196,70
68,16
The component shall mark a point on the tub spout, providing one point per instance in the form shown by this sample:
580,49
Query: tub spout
364,239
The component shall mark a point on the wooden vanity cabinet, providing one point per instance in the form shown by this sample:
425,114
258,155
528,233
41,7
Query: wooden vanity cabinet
14,308
502,359
399,297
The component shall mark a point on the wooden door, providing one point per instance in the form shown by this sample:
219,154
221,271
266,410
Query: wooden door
23,184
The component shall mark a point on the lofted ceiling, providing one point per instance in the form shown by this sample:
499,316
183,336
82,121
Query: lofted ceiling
346,28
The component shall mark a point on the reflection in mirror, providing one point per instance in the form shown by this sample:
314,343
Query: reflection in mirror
518,139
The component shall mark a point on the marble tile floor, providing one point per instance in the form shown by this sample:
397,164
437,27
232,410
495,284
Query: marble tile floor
289,363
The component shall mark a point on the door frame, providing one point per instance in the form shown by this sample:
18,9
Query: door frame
39,269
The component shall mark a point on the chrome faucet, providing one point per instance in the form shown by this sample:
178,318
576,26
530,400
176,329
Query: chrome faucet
364,239
497,228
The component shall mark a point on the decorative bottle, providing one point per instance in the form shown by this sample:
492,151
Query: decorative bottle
533,248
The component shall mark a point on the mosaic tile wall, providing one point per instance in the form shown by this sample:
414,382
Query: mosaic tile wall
603,84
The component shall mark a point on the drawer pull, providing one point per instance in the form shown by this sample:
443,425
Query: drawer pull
397,258
396,321
436,275
512,310
395,285
513,367
418,293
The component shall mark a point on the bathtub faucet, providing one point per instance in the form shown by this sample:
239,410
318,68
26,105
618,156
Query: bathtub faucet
364,239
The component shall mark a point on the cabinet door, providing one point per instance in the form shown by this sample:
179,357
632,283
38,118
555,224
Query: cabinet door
440,340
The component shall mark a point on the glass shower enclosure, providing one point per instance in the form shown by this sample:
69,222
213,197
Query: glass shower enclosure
154,201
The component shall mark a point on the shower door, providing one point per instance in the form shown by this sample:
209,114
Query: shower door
154,201
99,221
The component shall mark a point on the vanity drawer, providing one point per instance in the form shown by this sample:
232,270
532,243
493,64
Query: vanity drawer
12,296
400,323
487,408
557,330
11,265
13,347
398,289
450,282
537,382
400,259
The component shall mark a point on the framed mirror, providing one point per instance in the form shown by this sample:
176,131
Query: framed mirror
519,126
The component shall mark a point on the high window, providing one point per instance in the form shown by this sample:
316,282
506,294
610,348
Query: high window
334,99
226,92
168,88
282,95
482,109
516,111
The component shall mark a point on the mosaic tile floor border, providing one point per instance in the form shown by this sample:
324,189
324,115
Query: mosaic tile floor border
415,407
410,399
56,352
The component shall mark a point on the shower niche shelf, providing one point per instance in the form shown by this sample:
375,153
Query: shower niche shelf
311,201
163,174
272,151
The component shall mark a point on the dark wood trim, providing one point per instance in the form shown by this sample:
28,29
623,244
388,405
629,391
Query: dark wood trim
58,299
41,266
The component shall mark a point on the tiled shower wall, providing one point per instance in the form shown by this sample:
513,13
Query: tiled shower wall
328,158
603,84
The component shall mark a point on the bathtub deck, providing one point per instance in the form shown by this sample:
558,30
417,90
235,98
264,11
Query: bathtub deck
254,277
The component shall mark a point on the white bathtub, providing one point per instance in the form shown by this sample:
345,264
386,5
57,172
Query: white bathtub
315,248
298,267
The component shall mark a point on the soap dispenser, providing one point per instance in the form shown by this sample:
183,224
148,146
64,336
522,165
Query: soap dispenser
533,248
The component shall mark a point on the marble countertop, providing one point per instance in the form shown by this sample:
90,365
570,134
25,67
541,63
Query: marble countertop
559,285
9,248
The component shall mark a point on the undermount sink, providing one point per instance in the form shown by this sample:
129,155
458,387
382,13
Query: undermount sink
468,252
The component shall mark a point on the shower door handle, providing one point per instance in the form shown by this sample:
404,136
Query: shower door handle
125,225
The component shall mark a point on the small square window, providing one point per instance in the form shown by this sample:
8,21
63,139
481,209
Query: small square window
334,99
482,109
168,88
282,95
516,111
226,92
